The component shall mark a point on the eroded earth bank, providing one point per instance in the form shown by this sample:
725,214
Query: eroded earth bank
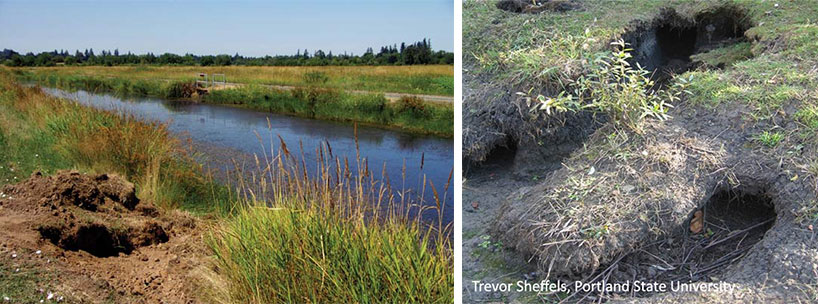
722,190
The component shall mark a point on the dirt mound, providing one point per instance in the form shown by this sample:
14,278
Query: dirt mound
71,188
94,213
99,237
503,125
625,207
538,6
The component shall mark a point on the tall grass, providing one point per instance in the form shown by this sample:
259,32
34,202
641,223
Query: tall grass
46,133
311,101
121,86
340,236
427,79
286,234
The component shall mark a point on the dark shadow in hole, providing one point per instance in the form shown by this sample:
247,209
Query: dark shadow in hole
734,220
731,209
100,241
675,43
665,45
95,239
501,156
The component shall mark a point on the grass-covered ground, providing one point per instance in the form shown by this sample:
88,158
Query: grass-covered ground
414,79
596,187
40,133
306,241
318,99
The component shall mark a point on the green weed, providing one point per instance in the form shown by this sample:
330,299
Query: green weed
626,94
808,115
769,139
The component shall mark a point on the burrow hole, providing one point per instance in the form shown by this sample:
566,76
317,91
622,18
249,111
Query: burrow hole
672,44
95,239
102,241
501,156
734,220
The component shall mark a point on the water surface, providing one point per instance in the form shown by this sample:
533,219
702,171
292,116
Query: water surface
218,130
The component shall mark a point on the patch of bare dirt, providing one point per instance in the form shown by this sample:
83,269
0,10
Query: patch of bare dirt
484,259
100,240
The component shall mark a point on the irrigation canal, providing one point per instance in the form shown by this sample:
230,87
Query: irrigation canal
223,133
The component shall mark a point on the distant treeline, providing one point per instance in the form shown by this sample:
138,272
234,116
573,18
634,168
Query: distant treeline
411,54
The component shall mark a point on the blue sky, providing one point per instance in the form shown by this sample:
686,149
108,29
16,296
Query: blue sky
251,28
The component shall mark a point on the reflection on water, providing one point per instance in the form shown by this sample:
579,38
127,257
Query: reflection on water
238,129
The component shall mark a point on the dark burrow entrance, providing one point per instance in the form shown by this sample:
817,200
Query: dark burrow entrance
544,144
732,221
500,157
100,240
672,44
95,239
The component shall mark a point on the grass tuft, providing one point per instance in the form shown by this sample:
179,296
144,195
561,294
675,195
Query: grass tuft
769,139
340,236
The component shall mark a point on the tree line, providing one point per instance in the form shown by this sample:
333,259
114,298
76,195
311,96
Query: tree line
417,53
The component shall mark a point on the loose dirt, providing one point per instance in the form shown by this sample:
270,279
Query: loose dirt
485,259
507,168
99,240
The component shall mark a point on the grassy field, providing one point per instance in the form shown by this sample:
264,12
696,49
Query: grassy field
415,79
39,133
307,242
314,101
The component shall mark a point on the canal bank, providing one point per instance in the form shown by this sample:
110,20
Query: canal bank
222,134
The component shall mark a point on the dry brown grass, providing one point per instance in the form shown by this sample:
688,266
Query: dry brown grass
426,79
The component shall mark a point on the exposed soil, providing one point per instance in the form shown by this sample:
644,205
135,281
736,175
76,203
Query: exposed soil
734,220
665,45
600,218
102,243
485,259
511,166
693,199
495,118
